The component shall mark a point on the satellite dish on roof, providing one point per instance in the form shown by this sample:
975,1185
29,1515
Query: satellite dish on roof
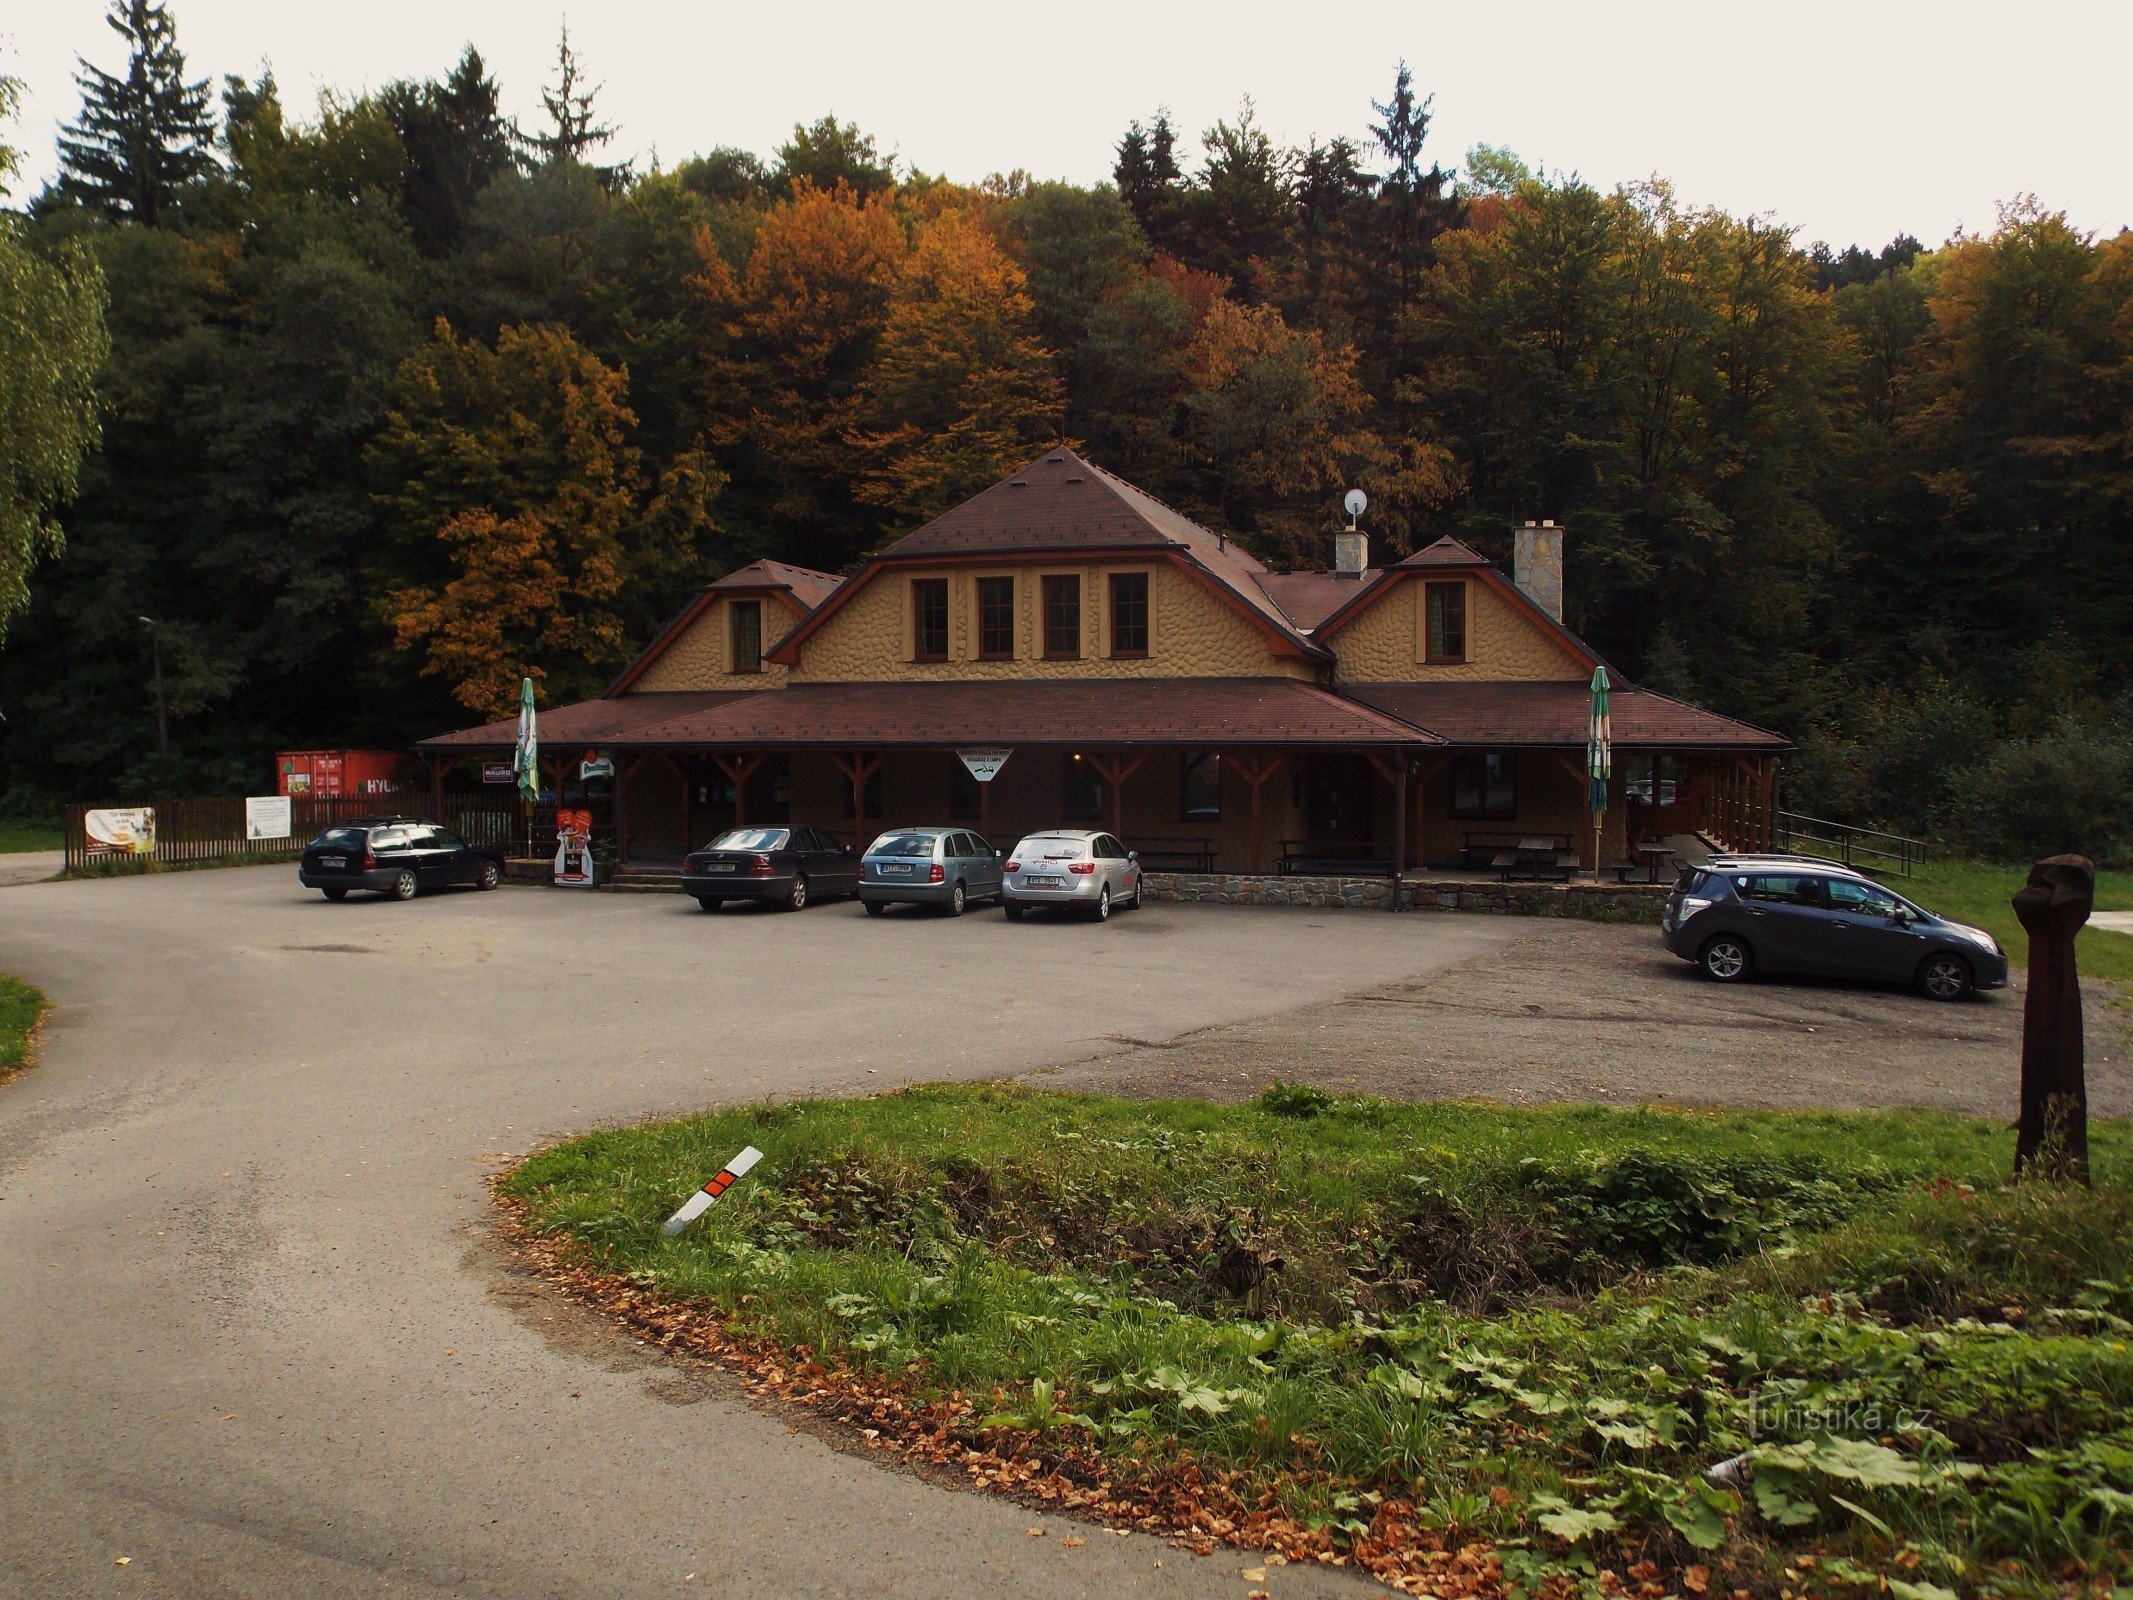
1356,502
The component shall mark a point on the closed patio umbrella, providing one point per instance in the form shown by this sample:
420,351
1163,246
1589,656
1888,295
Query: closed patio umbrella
1599,761
526,756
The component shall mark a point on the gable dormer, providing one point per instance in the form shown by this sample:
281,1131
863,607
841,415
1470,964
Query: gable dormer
723,638
1447,613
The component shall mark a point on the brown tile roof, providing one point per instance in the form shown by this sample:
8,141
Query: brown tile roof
1195,712
1446,552
602,721
1062,502
1555,715
1308,598
808,586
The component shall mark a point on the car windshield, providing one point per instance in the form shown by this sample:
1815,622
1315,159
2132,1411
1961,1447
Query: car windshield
341,839
1052,849
750,839
903,844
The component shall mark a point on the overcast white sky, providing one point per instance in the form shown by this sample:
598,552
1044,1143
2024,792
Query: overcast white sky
1851,122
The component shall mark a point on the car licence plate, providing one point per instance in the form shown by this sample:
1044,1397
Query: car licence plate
333,861
718,866
897,869
1044,883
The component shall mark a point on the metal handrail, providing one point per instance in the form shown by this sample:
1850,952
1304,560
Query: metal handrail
1850,844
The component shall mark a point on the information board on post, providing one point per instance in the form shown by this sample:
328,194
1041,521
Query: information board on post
267,816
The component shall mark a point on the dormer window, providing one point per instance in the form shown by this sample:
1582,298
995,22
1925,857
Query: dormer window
744,620
1129,613
1445,638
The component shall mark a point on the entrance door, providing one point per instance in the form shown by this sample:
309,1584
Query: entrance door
1337,808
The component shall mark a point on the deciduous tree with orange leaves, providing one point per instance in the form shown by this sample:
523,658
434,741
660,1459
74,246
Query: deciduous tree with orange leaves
522,538
961,390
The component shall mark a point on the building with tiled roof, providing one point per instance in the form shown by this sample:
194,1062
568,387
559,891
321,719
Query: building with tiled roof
1147,674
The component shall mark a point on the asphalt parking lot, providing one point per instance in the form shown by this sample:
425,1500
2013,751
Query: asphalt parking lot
256,1338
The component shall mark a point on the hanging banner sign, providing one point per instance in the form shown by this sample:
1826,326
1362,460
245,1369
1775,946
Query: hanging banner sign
498,772
573,850
129,832
597,767
984,765
266,816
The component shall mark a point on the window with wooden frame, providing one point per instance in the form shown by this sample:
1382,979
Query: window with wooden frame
1062,616
744,627
996,619
929,619
1201,796
1444,623
1129,614
1485,787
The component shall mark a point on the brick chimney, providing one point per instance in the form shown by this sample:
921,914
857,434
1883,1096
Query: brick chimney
1537,565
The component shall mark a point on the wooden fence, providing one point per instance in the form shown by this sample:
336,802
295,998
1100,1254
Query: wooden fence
211,829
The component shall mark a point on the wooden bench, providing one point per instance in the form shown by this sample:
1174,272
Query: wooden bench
1336,857
1174,854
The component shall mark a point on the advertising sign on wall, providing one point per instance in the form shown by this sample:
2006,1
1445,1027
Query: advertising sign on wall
498,772
984,765
266,816
127,832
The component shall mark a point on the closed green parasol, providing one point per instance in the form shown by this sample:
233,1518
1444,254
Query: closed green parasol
1599,761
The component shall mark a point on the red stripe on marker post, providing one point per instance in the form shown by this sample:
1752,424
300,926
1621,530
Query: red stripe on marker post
700,1202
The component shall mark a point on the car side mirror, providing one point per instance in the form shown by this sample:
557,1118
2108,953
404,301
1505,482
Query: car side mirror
1133,855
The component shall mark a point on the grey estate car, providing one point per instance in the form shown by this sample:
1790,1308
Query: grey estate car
1077,868
943,867
1738,915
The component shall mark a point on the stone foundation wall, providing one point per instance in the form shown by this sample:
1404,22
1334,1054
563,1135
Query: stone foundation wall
1602,902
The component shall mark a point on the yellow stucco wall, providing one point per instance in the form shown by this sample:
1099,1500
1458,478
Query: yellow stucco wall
702,659
1385,641
1191,634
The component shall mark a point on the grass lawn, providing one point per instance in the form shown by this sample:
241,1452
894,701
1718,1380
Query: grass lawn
20,1008
1408,1333
21,833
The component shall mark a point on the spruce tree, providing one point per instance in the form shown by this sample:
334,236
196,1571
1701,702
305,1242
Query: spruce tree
1147,174
570,112
142,137
457,144
1415,205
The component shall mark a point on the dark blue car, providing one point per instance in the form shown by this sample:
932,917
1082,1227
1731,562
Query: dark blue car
1736,916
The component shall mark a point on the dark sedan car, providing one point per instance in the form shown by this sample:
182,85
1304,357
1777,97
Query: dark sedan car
395,856
787,865
1739,915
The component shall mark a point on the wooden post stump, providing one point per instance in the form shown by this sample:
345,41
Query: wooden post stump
2052,1138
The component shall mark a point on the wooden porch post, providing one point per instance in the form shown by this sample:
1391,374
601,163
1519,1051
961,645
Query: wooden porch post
436,765
1394,772
1115,771
1256,772
858,768
623,772
984,806
1579,778
740,771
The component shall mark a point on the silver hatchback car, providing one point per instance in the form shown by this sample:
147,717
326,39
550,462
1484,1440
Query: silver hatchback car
1077,868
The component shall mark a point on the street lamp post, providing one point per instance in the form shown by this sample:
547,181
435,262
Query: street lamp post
155,647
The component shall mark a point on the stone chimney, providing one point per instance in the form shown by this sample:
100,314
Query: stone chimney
1351,553
1537,565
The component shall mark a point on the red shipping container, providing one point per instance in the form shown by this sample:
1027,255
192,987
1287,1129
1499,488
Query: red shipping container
346,773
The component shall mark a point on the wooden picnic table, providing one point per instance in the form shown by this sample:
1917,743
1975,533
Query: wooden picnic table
1655,856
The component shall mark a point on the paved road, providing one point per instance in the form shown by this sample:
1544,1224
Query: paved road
251,1335
30,866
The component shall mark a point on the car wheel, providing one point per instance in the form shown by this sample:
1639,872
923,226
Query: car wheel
405,884
956,901
334,894
875,907
1726,957
1014,912
1946,977
490,876
1135,903
710,902
796,896
1101,911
